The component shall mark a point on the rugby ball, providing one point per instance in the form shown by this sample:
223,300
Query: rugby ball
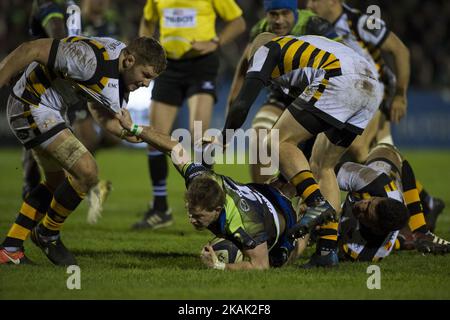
226,251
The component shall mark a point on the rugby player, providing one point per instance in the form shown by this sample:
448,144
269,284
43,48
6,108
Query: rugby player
255,217
369,36
282,18
364,236
103,69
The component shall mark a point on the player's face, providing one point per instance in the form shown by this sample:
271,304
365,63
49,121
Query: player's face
365,212
201,218
319,7
139,75
280,21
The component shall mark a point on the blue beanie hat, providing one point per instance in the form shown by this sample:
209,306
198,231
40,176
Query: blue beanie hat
281,4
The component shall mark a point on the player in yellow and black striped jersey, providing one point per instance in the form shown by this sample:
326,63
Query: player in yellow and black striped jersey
282,18
336,92
369,35
57,71
368,231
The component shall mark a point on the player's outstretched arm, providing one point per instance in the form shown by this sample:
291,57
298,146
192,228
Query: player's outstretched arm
22,56
158,140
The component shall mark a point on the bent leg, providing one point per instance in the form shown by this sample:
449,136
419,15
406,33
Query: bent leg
325,156
264,120
360,147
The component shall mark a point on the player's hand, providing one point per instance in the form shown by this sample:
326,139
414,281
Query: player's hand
124,118
204,47
128,136
208,256
214,140
398,108
210,140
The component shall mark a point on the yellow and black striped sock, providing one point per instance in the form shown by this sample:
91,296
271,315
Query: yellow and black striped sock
425,197
328,234
411,195
65,200
307,187
30,214
420,188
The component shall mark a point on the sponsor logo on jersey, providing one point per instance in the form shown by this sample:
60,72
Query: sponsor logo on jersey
244,205
180,18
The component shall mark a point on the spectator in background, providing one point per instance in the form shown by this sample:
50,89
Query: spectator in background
99,19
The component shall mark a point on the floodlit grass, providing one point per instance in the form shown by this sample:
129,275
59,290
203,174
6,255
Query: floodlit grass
117,263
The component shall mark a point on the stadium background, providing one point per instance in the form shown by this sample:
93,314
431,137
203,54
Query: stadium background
425,34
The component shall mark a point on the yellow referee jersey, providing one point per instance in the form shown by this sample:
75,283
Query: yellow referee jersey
184,21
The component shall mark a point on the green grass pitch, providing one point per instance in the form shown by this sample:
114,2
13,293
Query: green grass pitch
117,263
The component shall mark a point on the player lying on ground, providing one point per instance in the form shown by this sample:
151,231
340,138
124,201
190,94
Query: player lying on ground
255,217
385,175
106,71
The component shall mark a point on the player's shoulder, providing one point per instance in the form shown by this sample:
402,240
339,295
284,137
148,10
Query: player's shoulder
369,26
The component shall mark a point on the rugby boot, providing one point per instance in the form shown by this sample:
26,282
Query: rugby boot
430,243
327,259
96,198
154,219
432,210
17,257
53,248
318,214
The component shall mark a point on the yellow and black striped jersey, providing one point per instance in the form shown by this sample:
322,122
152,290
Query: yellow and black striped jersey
184,21
364,182
294,62
90,65
297,66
